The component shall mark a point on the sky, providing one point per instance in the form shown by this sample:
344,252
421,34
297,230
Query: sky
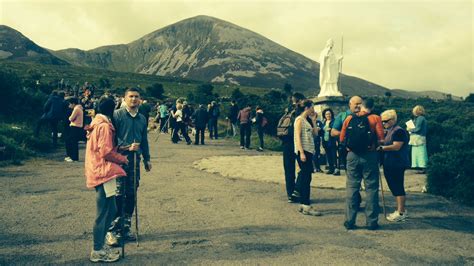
399,44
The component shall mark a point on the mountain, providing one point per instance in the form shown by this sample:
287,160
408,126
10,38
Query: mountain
15,46
435,95
209,49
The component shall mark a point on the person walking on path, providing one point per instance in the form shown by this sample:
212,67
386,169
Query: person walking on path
75,130
180,125
304,150
200,118
361,134
232,117
245,127
261,121
132,140
102,167
419,154
395,161
163,109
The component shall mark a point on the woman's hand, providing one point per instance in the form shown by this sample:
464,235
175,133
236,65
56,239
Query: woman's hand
302,157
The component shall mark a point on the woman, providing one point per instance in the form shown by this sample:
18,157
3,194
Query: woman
304,150
395,162
102,166
180,126
329,142
75,130
317,145
419,155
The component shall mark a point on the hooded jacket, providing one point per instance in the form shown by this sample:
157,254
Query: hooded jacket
244,115
102,159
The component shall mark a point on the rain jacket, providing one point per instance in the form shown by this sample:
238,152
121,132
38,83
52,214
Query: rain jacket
102,158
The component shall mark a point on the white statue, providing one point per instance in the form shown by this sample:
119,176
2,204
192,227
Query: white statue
329,66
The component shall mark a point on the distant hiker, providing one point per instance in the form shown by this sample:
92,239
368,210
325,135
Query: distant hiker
180,126
163,109
102,166
172,119
75,130
329,142
419,155
285,131
317,144
200,118
145,110
260,121
245,127
361,133
233,113
53,113
131,131
395,161
304,150
214,114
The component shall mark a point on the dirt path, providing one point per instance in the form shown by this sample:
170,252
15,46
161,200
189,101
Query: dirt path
189,216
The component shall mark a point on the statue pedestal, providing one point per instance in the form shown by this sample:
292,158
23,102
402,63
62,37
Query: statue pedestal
336,103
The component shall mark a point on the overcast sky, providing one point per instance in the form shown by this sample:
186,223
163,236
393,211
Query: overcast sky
413,45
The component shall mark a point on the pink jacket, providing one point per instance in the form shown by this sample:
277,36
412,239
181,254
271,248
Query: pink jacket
77,117
102,158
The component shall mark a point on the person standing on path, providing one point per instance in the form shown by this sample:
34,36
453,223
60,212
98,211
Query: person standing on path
102,167
131,128
214,114
329,142
233,113
180,126
261,122
419,154
245,127
75,130
53,113
304,150
200,118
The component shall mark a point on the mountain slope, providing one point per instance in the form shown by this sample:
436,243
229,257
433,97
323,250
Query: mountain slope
208,49
15,46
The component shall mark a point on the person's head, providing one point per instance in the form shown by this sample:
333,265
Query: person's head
132,97
354,104
368,105
297,97
248,105
258,108
389,118
305,107
213,103
106,106
72,101
328,114
418,110
180,101
232,102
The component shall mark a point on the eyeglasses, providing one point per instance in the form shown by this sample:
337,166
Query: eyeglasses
385,121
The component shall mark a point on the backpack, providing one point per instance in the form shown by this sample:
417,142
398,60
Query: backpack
359,136
264,121
285,125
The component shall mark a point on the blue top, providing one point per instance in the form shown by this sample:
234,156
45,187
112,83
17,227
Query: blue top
163,111
339,120
131,129
421,126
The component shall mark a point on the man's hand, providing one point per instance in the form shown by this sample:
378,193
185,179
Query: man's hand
302,157
134,147
148,166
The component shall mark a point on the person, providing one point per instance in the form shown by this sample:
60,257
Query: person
329,142
200,118
361,134
261,122
164,115
214,114
287,139
53,113
336,132
102,167
180,126
329,71
245,127
395,161
132,140
172,119
304,151
232,117
145,109
317,145
419,154
75,130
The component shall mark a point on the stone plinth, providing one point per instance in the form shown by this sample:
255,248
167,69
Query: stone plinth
336,103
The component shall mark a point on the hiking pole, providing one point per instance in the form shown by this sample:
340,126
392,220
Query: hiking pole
163,128
122,216
383,198
135,155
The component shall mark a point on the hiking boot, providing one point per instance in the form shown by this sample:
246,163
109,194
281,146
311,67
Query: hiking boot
111,249
111,239
349,226
308,210
68,159
103,256
396,216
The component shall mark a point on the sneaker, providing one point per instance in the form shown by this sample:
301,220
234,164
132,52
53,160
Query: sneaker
308,210
111,250
242,147
349,226
337,173
397,216
330,172
293,199
69,160
260,149
111,239
103,256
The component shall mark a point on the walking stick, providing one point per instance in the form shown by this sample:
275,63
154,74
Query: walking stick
135,189
383,198
158,136
122,218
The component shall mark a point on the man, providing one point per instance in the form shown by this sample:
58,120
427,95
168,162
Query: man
361,134
335,132
200,118
234,111
164,115
289,157
245,127
214,114
54,110
131,133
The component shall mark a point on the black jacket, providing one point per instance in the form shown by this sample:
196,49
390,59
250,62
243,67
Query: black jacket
200,117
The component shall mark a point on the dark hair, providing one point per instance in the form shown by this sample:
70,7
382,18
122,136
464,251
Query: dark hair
233,101
258,108
132,89
72,100
106,106
298,96
327,110
368,103
303,105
